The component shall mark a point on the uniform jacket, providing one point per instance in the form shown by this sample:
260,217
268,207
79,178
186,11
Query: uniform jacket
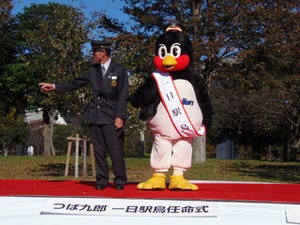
109,93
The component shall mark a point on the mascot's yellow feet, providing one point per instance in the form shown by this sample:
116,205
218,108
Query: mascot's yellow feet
178,182
157,181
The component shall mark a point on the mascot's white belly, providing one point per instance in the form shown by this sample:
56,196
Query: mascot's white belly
161,122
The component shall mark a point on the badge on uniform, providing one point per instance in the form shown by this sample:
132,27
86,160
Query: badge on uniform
113,81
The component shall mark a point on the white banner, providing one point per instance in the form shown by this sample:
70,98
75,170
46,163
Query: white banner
123,207
95,211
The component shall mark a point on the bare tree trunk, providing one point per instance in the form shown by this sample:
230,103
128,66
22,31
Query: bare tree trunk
48,140
199,150
270,153
47,131
285,151
53,152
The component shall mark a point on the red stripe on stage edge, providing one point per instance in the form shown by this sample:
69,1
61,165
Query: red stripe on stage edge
253,192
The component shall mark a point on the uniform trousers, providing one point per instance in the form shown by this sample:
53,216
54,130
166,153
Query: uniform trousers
107,140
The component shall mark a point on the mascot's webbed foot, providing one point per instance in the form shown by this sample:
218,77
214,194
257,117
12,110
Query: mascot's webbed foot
178,182
157,181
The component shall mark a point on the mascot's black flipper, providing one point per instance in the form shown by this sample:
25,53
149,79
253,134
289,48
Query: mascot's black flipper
146,98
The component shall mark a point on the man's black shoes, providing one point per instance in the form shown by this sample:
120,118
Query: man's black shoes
119,186
101,186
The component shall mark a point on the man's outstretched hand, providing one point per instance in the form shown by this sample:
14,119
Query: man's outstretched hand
47,86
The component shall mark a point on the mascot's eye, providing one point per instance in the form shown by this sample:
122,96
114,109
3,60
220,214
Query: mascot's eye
162,51
175,50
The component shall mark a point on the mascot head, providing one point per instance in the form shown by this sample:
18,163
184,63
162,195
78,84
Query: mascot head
173,50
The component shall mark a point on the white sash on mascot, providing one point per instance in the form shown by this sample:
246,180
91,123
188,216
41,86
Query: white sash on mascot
174,107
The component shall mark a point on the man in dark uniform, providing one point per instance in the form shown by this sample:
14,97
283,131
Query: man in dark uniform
106,112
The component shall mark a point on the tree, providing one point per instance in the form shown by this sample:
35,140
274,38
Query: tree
6,34
51,40
13,129
18,88
266,77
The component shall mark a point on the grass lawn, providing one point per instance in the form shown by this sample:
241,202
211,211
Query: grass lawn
52,168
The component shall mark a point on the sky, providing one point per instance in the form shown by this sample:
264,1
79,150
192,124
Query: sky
112,7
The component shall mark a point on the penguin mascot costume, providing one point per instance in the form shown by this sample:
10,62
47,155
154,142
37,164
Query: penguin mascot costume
175,102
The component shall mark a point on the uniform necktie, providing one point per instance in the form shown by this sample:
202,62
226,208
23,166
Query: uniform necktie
103,70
